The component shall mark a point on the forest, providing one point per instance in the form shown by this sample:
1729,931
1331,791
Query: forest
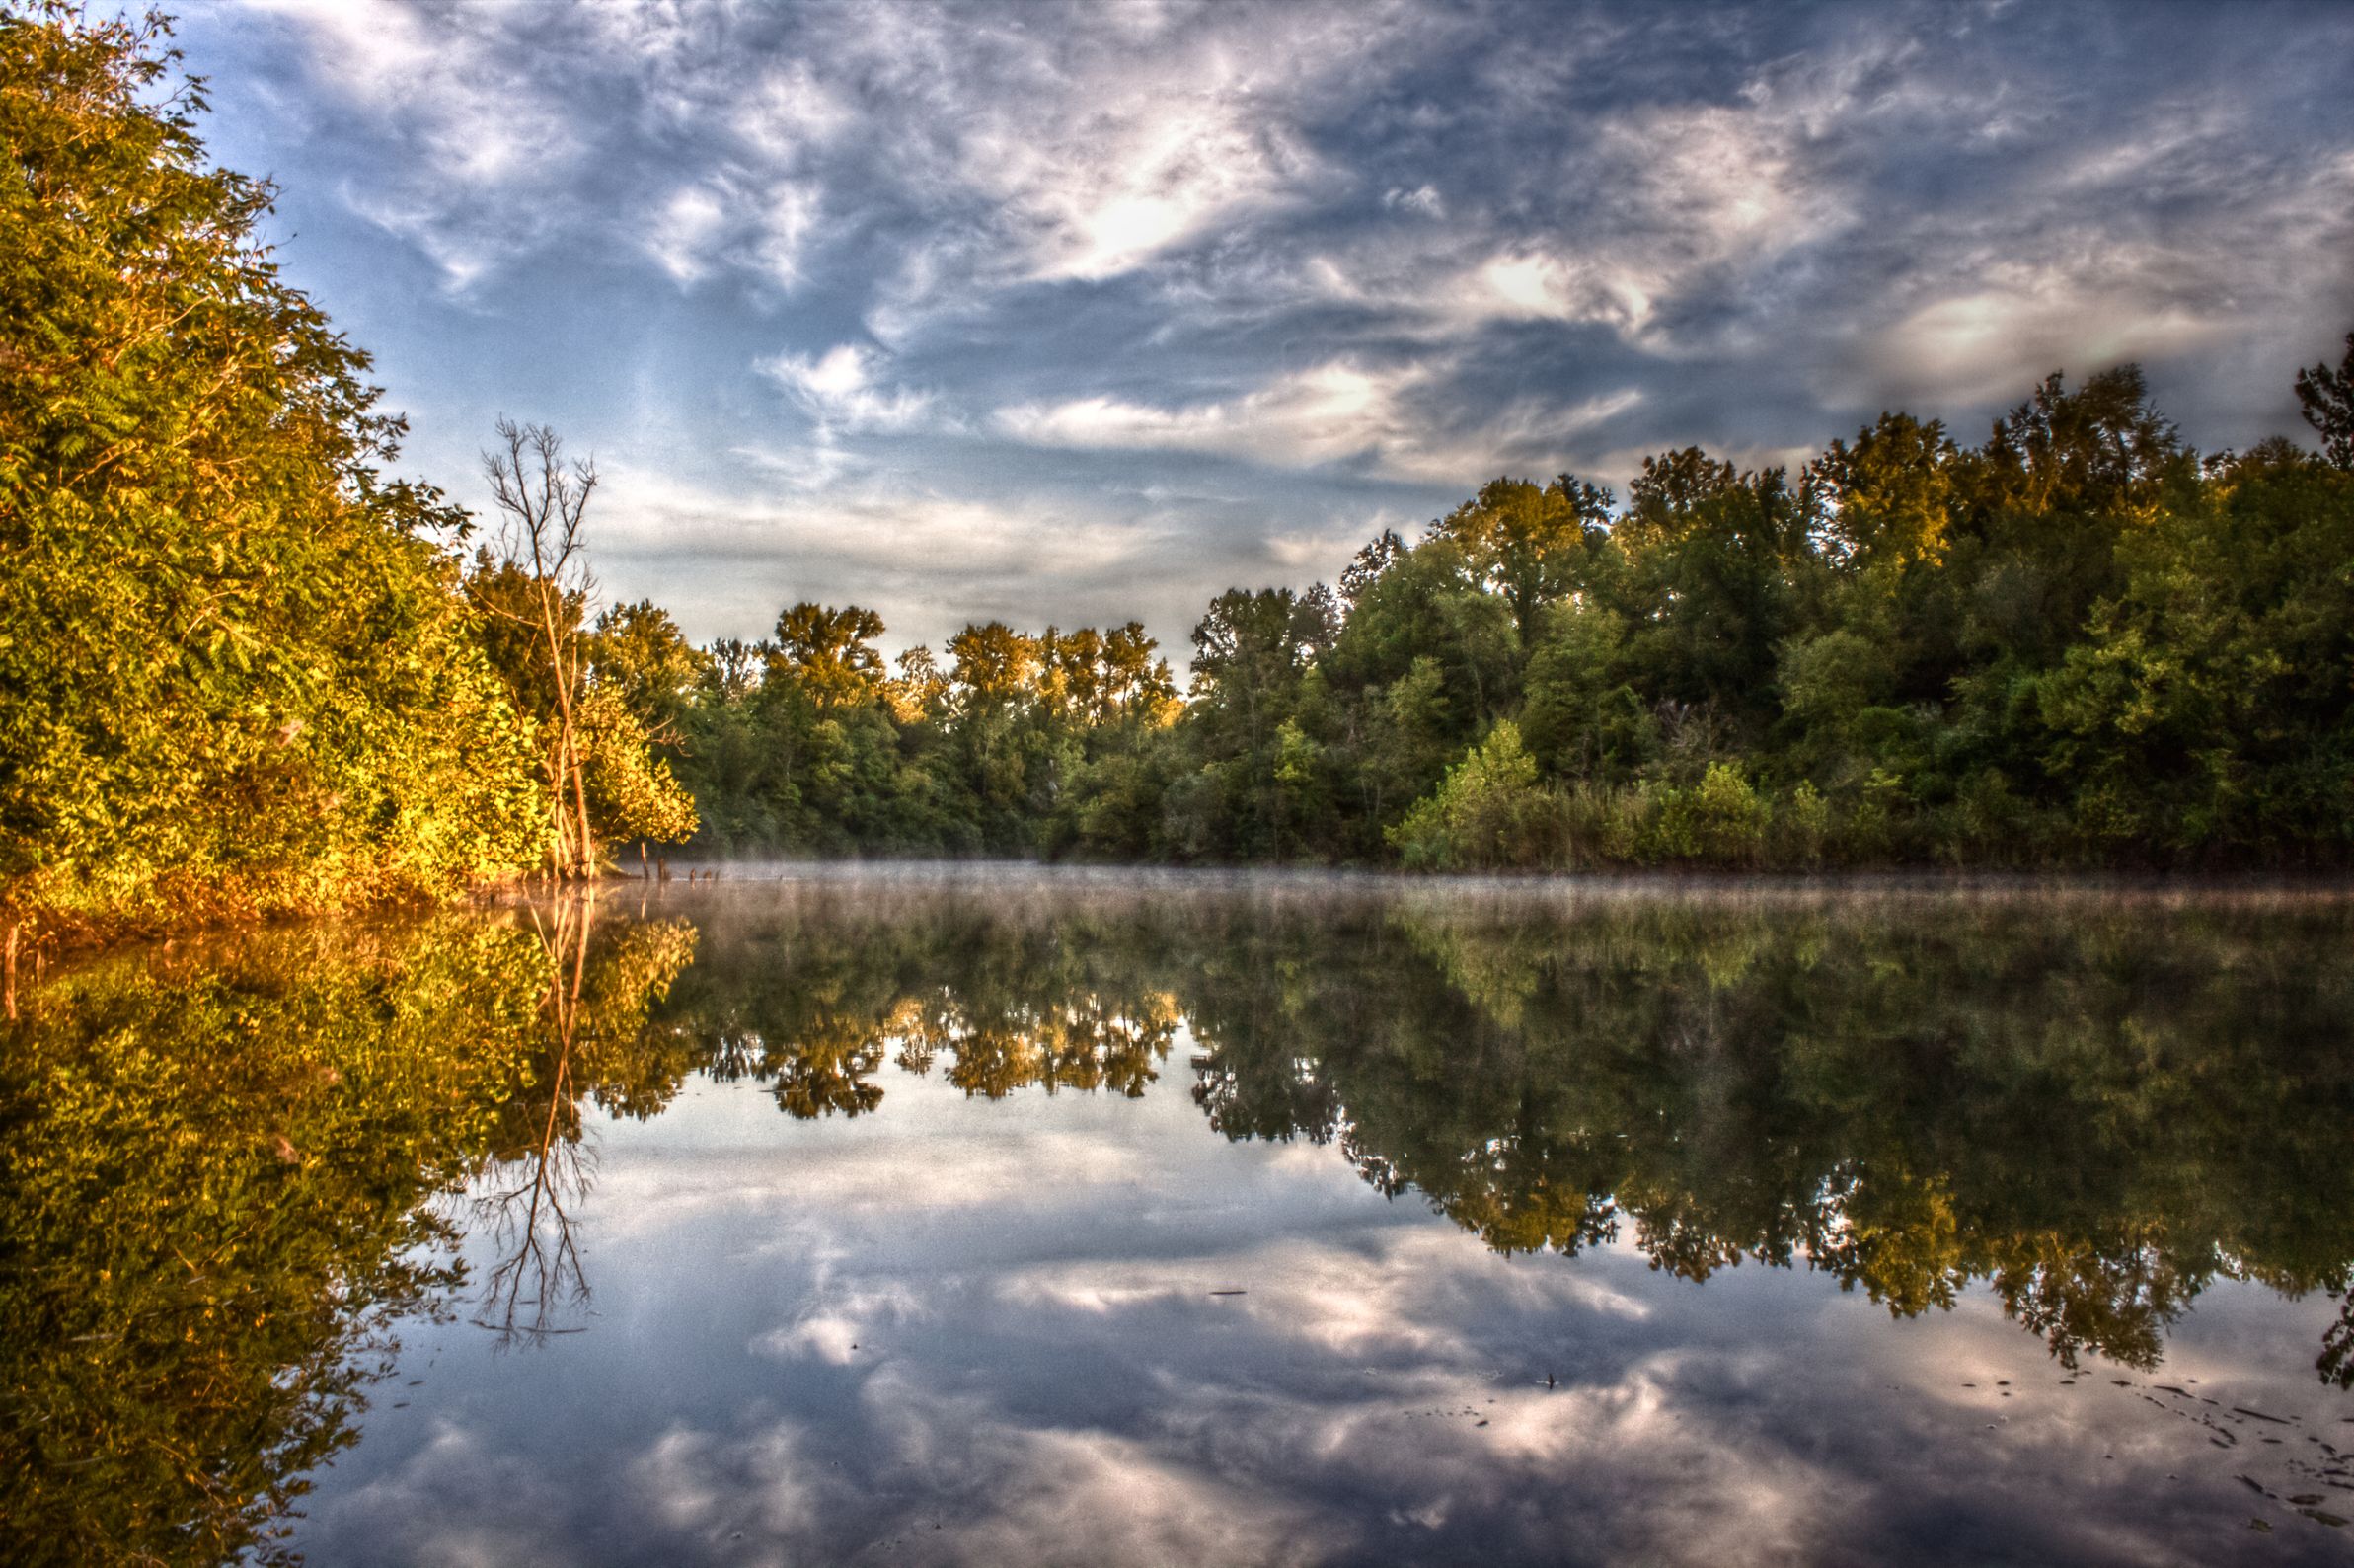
245,669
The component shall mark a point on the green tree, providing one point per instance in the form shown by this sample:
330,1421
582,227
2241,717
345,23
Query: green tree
2326,398
1709,586
639,653
1535,547
235,675
2206,707
1250,651
830,653
1488,813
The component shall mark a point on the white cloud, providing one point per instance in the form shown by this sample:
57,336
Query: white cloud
1651,208
681,237
831,1329
880,527
1129,173
1334,411
475,132
838,389
1353,247
1331,413
1998,343
698,1485
1423,198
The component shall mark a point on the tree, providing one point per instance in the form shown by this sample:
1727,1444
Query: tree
1887,499
828,651
632,793
236,676
1713,557
1133,684
1488,813
1368,564
2326,398
639,653
603,699
1531,544
992,665
542,504
1671,490
1248,652
919,693
2085,452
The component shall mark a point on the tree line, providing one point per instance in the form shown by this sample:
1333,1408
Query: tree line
244,669
2078,642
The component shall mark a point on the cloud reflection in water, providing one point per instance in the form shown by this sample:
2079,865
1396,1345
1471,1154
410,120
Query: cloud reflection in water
1561,1222
959,1329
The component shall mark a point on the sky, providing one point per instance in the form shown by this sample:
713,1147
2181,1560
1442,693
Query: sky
1076,314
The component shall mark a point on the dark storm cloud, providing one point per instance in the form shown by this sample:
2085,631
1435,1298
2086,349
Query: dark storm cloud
1076,313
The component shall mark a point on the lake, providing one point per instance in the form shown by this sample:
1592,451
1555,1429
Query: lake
999,1215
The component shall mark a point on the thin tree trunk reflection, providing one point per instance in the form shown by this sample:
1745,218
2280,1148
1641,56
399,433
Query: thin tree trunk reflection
539,1274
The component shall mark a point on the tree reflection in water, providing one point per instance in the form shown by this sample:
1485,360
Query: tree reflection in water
2096,1106
519,1202
230,1172
2095,1103
593,1043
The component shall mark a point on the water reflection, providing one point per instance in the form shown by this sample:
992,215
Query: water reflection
2096,1106
230,1173
591,1044
814,997
236,1176
217,1167
2097,1103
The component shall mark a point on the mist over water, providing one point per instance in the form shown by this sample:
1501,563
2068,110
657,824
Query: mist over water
970,1214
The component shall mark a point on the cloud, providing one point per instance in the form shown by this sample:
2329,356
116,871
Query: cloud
881,527
1996,344
1220,282
458,1498
680,239
838,389
829,1330
1333,413
474,124
696,1485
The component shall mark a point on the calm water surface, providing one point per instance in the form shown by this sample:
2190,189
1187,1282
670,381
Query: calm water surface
1009,1216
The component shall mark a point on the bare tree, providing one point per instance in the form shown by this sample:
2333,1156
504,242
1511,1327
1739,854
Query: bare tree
542,499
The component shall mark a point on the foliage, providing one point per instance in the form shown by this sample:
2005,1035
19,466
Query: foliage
1488,813
234,676
2075,644
242,671
1024,742
228,1175
632,793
